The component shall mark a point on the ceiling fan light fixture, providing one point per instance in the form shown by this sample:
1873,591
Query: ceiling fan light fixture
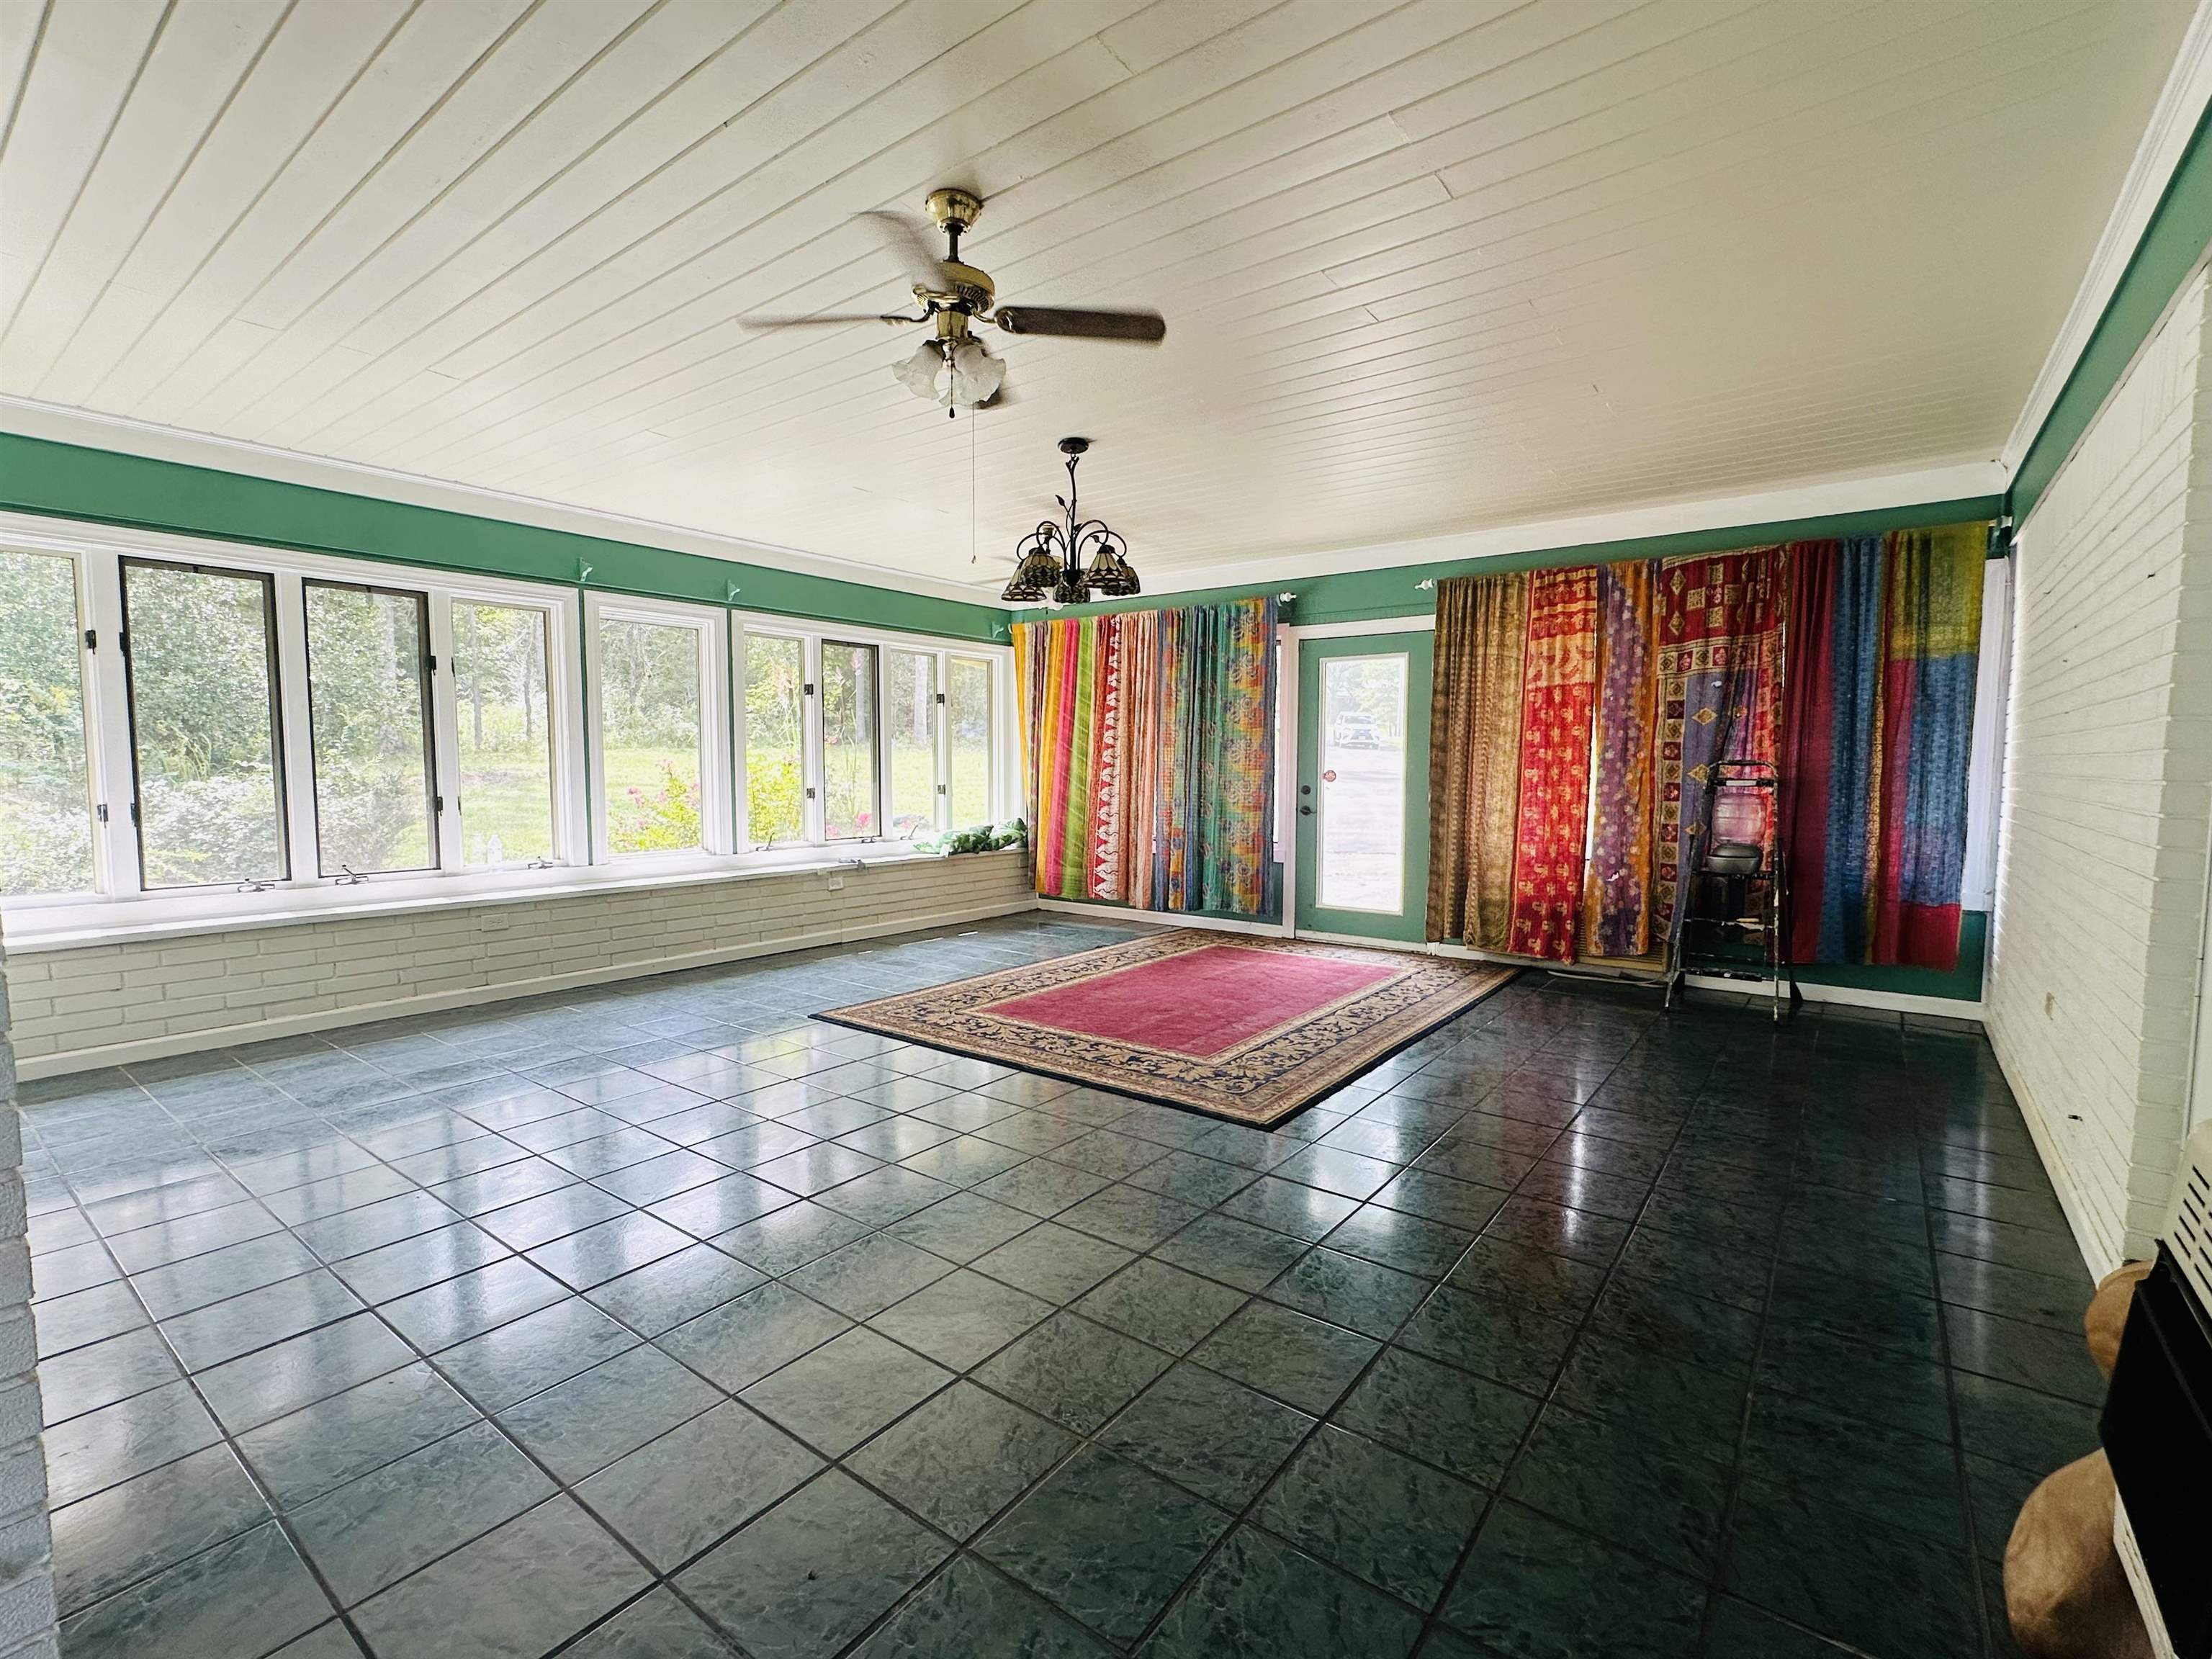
976,376
919,373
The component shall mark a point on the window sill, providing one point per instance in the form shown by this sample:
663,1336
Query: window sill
49,926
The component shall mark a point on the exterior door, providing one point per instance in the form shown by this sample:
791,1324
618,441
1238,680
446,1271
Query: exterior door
1362,795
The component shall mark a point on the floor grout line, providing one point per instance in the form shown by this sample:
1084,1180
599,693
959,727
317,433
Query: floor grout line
1555,1033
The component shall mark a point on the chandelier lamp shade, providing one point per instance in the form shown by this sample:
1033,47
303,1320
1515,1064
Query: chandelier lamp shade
1074,559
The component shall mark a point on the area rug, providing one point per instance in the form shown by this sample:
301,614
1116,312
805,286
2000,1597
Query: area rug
1246,1028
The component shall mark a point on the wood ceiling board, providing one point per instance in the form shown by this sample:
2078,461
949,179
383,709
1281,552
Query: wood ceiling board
1427,266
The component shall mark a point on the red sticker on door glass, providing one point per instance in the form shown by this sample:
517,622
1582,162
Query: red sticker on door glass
1329,776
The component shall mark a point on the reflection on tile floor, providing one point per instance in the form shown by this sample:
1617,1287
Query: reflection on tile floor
661,1319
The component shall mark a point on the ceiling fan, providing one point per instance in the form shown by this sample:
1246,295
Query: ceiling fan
951,368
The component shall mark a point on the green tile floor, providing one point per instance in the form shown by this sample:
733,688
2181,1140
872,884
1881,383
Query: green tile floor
664,1321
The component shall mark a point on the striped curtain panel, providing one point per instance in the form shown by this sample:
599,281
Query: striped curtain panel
1617,896
1884,646
1149,755
1720,698
1474,758
1559,699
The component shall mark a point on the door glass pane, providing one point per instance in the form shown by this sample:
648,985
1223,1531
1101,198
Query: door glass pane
849,741
775,683
500,697
365,660
209,805
910,719
649,701
969,706
1361,845
45,811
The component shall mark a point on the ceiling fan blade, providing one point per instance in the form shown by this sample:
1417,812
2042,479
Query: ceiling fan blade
921,262
824,319
1146,327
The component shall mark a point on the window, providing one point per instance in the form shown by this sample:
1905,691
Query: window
367,706
46,811
651,700
502,709
210,803
775,713
910,723
969,711
849,781
207,731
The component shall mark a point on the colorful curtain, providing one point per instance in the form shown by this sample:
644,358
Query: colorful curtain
1719,691
1934,645
1884,646
1558,700
1474,758
1617,897
1149,755
1832,772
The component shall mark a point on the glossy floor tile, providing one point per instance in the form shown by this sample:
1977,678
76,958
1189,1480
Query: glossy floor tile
665,1320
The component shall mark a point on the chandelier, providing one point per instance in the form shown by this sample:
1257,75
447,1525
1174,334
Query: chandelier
1048,563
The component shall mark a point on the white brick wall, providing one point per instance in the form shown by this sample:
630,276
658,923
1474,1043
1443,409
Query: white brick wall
27,1592
97,1004
2101,901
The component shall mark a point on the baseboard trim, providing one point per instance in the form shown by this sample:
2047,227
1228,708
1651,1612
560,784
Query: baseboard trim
225,1037
1161,918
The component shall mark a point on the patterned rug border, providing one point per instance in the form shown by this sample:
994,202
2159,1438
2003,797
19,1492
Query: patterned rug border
885,1016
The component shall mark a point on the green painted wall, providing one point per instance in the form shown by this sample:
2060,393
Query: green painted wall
2173,243
102,486
1366,595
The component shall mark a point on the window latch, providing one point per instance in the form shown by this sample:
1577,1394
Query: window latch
437,803
808,687
352,878
100,812
255,886
91,639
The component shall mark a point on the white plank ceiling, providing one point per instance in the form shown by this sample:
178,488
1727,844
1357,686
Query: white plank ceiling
1427,267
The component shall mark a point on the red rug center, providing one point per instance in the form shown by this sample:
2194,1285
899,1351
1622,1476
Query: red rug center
1200,1003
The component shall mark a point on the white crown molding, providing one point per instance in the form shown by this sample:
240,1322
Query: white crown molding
2173,120
1942,484
30,418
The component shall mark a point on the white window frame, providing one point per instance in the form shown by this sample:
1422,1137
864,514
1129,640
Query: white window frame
93,696
709,625
118,907
1003,766
564,710
741,632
